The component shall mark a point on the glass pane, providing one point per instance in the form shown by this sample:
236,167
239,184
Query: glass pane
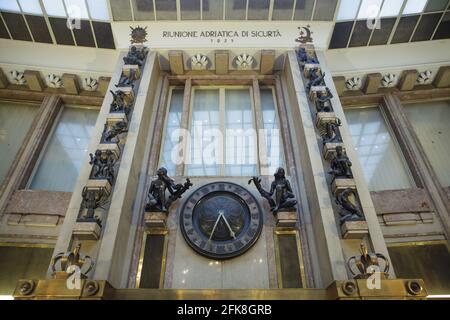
348,10
431,122
282,9
383,166
324,10
272,134
414,6
258,9
190,10
171,132
66,151
303,9
77,9
213,9
9,5
241,140
143,10
54,8
166,9
391,8
235,9
206,147
15,121
369,9
31,6
436,5
121,10
98,9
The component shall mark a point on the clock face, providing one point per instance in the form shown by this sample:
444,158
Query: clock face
221,220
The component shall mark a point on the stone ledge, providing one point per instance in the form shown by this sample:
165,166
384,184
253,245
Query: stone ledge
39,202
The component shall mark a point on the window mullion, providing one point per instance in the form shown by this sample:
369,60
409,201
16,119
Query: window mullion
222,156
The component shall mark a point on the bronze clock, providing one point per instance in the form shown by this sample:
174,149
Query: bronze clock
221,220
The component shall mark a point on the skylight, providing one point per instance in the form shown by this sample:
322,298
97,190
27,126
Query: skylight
348,9
77,9
55,8
9,5
391,8
369,9
98,9
31,6
414,6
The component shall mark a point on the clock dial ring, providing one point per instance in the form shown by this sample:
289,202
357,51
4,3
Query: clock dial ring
221,220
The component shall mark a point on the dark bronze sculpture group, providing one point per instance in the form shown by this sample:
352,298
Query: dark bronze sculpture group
340,164
104,162
157,199
280,196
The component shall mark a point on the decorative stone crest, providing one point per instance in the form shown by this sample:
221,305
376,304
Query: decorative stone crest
367,264
304,35
70,263
93,198
138,34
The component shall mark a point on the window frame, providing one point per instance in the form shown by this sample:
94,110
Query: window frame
394,139
48,138
222,92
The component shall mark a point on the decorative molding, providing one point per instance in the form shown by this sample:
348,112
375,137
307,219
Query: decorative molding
54,81
90,84
425,77
389,80
244,62
18,77
199,62
353,84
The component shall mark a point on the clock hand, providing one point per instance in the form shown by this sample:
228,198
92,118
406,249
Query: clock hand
229,227
215,225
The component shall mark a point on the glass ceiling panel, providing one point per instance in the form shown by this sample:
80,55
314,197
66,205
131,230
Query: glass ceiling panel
143,10
9,5
348,10
77,9
31,6
282,9
98,9
391,8
414,6
369,9
213,9
54,8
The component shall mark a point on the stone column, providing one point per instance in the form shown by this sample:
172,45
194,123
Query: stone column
375,238
109,249
326,233
114,245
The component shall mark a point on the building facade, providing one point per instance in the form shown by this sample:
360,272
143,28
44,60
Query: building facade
352,102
